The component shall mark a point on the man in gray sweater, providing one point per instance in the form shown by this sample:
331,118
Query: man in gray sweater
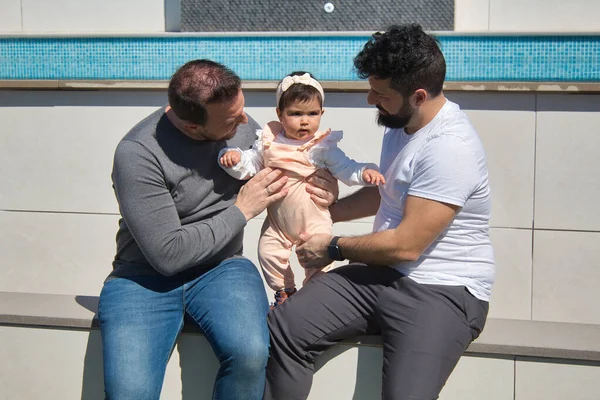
179,244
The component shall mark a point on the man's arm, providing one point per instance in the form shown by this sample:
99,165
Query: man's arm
445,176
424,220
360,204
149,211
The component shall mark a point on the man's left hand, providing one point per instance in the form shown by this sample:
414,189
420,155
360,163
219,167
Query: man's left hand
312,250
323,188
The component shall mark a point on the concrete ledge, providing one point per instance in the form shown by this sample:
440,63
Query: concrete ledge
523,338
506,337
48,310
341,86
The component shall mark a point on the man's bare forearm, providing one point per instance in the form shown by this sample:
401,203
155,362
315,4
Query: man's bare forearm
423,222
360,204
380,248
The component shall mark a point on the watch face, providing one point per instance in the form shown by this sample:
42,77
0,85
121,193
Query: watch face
331,252
334,252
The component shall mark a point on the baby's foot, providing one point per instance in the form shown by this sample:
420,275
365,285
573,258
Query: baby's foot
281,296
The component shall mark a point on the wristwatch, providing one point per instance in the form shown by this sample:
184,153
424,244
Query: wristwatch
333,250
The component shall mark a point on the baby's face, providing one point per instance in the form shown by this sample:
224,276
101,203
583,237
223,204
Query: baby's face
301,120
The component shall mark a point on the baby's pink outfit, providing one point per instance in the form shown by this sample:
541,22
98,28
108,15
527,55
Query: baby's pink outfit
296,213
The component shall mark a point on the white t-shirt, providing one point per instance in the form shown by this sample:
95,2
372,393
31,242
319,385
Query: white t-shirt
444,161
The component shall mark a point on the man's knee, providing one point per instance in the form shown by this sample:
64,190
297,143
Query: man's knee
250,357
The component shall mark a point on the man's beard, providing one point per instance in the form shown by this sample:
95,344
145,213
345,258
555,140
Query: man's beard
395,121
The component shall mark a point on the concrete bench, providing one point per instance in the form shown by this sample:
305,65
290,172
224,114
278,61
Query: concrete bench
501,336
31,322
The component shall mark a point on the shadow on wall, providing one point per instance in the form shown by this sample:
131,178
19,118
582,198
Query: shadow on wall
368,379
93,384
368,361
519,101
83,98
198,369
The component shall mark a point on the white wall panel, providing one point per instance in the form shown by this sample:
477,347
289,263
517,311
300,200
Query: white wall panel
56,253
544,15
567,167
566,276
539,380
56,148
10,16
93,16
471,15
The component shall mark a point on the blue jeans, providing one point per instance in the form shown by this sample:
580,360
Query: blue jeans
141,317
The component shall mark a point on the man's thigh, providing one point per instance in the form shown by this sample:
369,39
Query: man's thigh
140,318
230,305
331,307
425,331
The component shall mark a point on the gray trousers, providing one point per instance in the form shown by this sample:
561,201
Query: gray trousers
425,330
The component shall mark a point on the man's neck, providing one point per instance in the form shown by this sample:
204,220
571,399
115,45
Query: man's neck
179,123
426,113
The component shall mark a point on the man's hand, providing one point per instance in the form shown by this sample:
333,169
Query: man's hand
264,189
230,158
312,250
323,188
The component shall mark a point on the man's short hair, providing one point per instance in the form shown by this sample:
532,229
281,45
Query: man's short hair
198,83
406,54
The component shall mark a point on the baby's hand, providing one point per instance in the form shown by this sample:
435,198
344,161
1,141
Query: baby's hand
230,158
373,177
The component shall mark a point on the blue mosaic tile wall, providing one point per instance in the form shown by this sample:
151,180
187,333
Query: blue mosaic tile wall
469,58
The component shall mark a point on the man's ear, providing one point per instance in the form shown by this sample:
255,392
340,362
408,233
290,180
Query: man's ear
419,96
191,127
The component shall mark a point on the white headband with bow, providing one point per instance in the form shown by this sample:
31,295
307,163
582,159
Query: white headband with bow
305,79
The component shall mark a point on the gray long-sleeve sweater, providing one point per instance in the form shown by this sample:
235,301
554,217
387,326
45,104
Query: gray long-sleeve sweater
176,203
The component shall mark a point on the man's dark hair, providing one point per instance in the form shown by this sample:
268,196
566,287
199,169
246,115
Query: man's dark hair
299,93
407,55
198,83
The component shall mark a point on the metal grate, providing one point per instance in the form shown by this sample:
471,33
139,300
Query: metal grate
309,15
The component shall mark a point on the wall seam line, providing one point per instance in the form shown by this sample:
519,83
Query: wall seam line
21,4
489,22
535,132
